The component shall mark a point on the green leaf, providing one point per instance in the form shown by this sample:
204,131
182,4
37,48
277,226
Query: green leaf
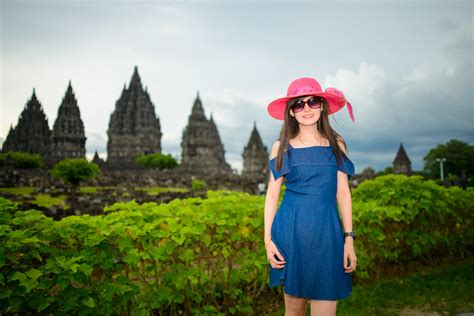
26,282
94,240
43,305
132,257
89,302
221,222
187,255
179,239
5,292
125,244
34,273
86,269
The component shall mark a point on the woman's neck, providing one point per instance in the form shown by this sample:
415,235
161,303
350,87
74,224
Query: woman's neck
310,134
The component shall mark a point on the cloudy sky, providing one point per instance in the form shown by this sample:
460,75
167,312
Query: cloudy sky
405,66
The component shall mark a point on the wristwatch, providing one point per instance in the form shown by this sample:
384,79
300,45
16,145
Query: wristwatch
352,233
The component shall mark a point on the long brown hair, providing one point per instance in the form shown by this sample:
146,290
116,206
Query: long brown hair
291,129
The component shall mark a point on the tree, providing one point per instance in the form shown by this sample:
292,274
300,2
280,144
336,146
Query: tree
159,161
22,160
459,156
74,170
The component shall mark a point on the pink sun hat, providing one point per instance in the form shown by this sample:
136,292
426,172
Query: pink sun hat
305,87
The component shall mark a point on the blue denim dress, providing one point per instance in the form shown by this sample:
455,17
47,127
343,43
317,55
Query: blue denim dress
307,229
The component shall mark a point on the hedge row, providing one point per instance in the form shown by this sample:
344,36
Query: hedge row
205,256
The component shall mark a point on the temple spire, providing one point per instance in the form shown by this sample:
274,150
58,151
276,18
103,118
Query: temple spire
255,156
68,136
202,149
134,116
136,81
31,133
401,163
198,110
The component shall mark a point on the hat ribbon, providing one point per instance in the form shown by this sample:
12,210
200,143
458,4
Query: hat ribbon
343,99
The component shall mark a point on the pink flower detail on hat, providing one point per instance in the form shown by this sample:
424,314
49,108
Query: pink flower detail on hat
343,100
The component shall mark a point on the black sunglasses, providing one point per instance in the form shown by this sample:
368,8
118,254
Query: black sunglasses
313,102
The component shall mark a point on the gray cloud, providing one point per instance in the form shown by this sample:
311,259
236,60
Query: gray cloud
408,82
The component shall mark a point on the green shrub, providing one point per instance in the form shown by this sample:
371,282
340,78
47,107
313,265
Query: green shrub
75,170
23,159
156,161
196,255
198,184
401,219
205,256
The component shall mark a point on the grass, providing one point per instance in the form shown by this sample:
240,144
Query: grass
443,290
157,190
88,189
45,200
18,191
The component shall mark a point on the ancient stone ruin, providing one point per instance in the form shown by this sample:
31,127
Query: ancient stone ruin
133,127
68,139
202,149
31,134
255,157
401,163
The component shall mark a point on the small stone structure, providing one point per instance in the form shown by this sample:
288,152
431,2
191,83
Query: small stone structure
401,163
255,157
98,161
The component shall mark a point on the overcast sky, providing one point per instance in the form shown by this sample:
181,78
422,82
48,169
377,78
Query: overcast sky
405,66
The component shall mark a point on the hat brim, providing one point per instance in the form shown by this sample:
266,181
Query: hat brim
277,107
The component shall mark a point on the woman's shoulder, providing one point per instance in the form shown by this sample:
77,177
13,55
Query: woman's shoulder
342,144
275,148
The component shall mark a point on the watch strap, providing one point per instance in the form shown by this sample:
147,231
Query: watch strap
352,234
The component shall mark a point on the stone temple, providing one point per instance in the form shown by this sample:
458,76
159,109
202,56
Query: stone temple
68,138
401,163
98,161
32,133
202,149
133,127
255,157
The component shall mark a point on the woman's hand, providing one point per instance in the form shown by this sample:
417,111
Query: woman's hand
349,253
272,250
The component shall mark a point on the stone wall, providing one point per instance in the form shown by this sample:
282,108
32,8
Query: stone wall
129,178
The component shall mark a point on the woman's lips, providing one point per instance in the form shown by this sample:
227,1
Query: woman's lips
308,116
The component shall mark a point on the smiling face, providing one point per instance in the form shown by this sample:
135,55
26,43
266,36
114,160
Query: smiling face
307,116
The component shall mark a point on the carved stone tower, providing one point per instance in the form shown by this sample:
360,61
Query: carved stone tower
134,127
32,133
255,157
68,139
98,161
401,163
202,149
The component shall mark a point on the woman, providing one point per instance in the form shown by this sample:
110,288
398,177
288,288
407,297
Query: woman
309,251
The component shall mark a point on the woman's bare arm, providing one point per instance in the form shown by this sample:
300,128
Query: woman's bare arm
343,196
272,197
